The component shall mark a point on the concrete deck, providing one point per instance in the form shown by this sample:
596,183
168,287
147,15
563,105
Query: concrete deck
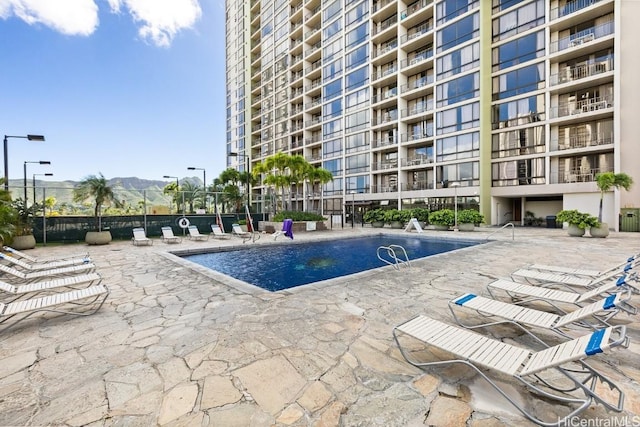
176,346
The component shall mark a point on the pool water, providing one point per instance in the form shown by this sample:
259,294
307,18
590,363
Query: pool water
281,267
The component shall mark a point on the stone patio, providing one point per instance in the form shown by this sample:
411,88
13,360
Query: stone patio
179,345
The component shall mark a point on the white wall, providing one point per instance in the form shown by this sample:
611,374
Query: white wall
590,202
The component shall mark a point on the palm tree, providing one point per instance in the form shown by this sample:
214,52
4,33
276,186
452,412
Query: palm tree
608,180
230,181
173,189
313,174
190,193
96,188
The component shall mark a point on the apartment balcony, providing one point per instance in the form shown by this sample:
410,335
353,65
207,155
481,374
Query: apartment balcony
417,136
417,84
583,38
384,25
388,94
570,7
417,109
314,85
386,141
417,186
312,140
312,50
297,144
583,71
576,108
312,33
381,4
384,73
382,50
577,175
387,117
582,141
314,103
413,10
416,59
313,158
416,32
384,188
315,121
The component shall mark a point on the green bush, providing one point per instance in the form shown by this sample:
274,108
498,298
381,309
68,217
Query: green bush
579,219
442,217
374,215
421,214
396,215
297,216
470,216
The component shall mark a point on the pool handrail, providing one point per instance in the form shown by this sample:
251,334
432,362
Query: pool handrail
513,230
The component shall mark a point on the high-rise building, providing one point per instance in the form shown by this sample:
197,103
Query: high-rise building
512,106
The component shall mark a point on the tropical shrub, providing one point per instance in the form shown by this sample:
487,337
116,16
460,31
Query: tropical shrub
421,214
297,216
579,219
396,215
470,216
442,217
374,215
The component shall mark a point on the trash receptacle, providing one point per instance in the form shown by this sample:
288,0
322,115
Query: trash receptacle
551,221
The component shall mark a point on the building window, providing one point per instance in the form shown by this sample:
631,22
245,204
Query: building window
468,172
332,109
332,29
357,121
518,112
358,13
357,164
519,20
332,128
357,57
457,90
499,5
333,89
357,78
517,82
332,70
357,35
458,32
357,142
357,99
458,147
332,148
518,172
332,10
359,184
518,51
458,61
448,9
518,142
458,118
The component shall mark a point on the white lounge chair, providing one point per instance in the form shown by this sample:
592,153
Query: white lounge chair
537,276
488,356
218,233
31,276
245,235
15,292
81,257
140,237
30,266
168,236
633,260
600,311
71,302
525,293
194,234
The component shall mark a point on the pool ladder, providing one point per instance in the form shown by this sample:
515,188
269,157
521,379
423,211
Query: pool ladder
394,255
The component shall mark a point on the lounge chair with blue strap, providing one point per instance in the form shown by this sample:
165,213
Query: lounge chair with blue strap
544,277
583,272
12,292
492,358
33,266
595,315
522,293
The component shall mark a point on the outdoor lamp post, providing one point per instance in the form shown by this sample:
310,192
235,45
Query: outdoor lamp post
177,187
353,207
248,173
455,186
6,154
40,162
204,180
34,183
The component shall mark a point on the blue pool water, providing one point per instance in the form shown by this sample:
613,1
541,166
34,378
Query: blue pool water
276,268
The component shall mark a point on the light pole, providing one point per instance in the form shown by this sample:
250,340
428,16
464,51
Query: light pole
204,179
455,186
34,184
247,165
40,162
6,154
353,208
177,188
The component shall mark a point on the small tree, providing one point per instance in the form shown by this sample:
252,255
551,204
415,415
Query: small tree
608,180
96,188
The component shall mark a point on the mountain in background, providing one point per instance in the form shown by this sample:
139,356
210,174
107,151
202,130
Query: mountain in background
128,190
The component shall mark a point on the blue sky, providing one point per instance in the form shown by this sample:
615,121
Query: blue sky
118,87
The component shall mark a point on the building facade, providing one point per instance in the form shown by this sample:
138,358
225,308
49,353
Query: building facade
512,106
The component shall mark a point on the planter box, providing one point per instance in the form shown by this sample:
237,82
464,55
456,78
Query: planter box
466,227
23,242
98,237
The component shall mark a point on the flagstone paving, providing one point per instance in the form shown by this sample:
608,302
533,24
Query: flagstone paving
176,345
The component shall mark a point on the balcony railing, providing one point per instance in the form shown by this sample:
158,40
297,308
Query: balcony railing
386,48
417,109
571,7
416,59
417,185
384,73
582,37
384,25
582,141
589,69
421,82
387,117
385,95
408,137
416,161
580,107
414,8
579,175
417,32
384,142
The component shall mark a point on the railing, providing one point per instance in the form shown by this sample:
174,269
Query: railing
423,56
417,6
582,37
513,231
570,7
592,68
383,142
582,141
417,32
580,107
418,109
388,23
421,82
393,258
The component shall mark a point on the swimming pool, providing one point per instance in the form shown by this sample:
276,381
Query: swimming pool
281,267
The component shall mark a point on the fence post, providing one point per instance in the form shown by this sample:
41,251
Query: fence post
44,216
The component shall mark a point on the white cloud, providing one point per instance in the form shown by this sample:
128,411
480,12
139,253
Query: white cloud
160,20
72,17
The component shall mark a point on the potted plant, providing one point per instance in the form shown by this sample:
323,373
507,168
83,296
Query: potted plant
394,217
605,182
375,217
422,215
442,219
23,237
468,218
578,221
8,216
96,188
